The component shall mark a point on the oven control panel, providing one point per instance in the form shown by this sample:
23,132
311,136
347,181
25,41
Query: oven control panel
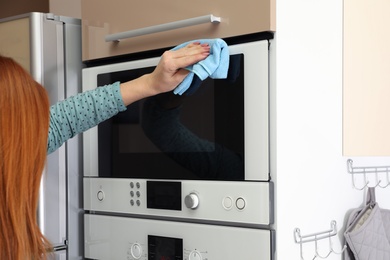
246,203
112,237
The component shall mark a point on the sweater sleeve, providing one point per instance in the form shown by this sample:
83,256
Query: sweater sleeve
82,112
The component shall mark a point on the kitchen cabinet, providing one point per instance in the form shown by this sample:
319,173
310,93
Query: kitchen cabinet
17,7
101,18
70,8
366,78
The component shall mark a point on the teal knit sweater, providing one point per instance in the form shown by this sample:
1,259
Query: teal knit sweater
82,112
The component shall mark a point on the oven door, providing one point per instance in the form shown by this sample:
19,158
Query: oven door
217,132
108,237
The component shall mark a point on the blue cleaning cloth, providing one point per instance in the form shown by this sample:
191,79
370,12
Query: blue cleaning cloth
215,66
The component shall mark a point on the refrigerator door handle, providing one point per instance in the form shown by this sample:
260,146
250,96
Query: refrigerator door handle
60,248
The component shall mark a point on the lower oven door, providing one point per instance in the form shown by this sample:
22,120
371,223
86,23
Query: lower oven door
108,238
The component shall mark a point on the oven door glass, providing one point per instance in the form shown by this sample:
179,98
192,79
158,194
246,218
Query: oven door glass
196,136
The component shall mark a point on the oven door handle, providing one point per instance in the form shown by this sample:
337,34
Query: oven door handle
116,37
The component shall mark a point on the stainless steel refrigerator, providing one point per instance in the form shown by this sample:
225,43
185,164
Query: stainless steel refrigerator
49,47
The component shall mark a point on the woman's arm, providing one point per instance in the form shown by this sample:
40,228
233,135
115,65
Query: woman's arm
83,111
79,113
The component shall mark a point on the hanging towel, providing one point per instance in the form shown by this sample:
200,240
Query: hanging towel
215,66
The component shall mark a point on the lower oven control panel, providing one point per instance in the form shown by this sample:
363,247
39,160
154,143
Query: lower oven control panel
247,203
113,237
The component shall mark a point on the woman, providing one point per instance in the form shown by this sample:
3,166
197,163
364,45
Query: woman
26,119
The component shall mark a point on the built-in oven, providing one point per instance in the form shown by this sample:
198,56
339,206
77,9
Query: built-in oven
199,157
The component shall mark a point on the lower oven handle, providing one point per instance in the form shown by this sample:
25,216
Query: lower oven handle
163,27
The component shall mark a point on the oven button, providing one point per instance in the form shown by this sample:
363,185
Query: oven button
240,203
227,203
100,195
195,255
191,201
136,251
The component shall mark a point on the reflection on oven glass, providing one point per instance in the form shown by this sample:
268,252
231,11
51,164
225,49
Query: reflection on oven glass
199,136
205,158
195,143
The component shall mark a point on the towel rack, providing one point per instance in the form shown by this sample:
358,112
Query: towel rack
163,27
381,173
315,237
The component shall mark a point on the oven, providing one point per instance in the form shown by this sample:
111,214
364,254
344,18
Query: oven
116,237
174,174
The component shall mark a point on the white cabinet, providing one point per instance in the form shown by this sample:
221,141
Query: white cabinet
101,18
366,78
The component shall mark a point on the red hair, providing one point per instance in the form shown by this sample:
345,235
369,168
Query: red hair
24,122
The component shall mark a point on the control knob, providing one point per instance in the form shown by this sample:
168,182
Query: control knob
136,250
195,255
191,201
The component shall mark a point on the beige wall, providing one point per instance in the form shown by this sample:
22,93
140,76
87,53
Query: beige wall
71,8
366,78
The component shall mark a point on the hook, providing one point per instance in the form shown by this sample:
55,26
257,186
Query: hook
340,252
315,238
364,171
387,179
297,233
352,172
334,226
317,253
378,181
365,181
299,240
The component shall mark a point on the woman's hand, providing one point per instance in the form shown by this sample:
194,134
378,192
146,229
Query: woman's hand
167,75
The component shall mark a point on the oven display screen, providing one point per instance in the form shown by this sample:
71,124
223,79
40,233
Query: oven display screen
164,195
165,248
195,136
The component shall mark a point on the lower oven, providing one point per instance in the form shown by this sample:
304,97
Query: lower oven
114,238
